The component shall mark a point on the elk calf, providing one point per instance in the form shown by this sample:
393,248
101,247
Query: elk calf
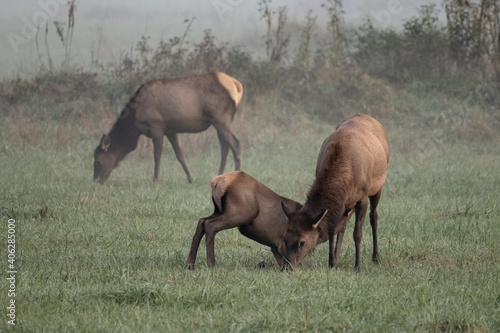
351,168
242,201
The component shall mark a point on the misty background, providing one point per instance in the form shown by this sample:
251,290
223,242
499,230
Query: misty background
103,31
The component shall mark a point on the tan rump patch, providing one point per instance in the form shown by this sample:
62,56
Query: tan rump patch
223,181
219,185
233,87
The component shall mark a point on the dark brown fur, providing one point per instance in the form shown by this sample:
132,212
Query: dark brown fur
242,201
166,107
351,168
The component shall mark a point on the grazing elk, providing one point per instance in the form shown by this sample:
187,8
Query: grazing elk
166,107
242,201
351,168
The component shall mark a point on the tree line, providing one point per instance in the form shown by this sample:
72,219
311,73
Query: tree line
459,58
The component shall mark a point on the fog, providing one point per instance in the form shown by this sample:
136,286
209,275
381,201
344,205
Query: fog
104,30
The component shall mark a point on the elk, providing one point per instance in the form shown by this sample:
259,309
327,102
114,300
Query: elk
166,107
351,169
242,201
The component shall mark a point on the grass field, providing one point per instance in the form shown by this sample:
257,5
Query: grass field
110,258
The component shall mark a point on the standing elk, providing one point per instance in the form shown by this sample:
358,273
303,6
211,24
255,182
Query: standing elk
242,201
166,107
351,168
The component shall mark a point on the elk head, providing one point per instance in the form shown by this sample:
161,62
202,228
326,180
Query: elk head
104,160
301,236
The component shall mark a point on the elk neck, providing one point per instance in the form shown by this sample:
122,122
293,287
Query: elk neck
330,197
124,135
331,189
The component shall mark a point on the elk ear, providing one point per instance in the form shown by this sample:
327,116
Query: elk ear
285,210
105,142
319,218
347,211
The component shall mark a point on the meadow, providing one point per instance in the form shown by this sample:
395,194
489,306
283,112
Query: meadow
110,257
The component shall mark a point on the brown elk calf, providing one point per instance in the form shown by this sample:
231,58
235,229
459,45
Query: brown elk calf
166,107
351,168
242,201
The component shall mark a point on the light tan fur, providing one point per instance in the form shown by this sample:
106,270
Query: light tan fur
233,87
219,185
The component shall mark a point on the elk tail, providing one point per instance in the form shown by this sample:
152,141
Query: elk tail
239,92
219,187
232,86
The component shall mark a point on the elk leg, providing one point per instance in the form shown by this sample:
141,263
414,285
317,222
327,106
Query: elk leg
374,223
331,252
224,149
157,147
213,226
360,210
174,141
198,235
334,252
226,137
338,246
340,237
236,149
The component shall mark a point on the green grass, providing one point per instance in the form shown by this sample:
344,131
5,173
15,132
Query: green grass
110,258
